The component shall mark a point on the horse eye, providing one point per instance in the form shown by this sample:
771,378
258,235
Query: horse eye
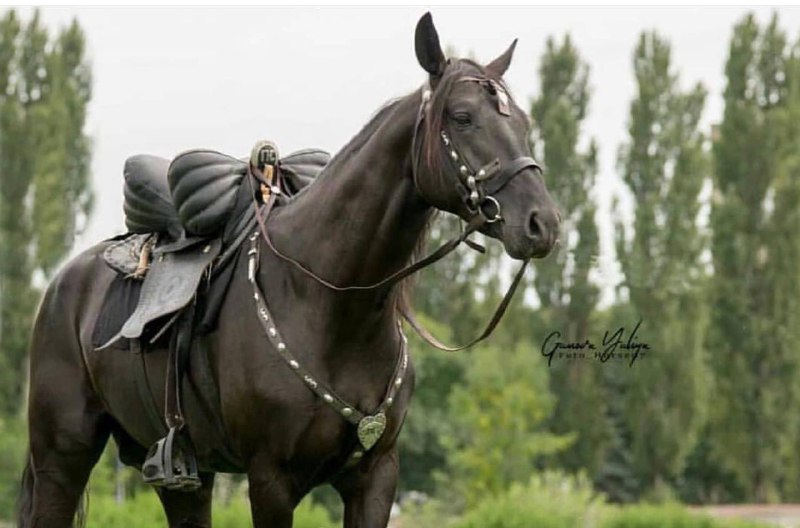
462,119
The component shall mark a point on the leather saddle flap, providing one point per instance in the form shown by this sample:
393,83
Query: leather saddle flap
170,284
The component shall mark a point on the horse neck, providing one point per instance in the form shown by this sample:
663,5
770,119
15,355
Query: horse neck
362,218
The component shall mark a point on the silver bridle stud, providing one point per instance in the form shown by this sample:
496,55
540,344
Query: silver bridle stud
294,364
347,411
272,331
281,346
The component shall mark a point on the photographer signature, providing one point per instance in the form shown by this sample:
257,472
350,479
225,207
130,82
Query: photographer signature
613,345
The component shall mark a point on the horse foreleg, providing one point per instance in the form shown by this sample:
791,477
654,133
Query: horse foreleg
271,499
368,491
189,509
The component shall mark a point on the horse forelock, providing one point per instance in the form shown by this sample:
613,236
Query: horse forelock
437,108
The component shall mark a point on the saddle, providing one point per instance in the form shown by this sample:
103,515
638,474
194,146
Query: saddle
186,220
182,215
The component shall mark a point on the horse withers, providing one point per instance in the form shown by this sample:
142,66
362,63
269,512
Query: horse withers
457,144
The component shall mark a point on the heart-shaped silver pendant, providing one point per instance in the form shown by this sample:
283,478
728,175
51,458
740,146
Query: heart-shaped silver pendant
370,429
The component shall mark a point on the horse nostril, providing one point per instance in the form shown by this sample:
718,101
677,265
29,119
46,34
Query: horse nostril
535,226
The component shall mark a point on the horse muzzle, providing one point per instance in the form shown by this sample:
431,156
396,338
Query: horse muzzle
535,238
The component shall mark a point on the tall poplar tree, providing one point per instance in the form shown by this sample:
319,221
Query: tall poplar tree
44,173
664,166
567,295
756,291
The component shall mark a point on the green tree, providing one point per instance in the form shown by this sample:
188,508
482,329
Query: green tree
423,454
499,414
756,291
44,173
568,296
664,166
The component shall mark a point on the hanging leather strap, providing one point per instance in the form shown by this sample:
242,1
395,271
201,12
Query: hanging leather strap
446,248
429,338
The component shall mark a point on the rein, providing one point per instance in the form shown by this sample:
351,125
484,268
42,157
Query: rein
475,189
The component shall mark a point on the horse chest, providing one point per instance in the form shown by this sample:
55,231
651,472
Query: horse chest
295,424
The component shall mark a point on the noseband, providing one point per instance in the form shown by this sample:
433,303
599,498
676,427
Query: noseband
476,188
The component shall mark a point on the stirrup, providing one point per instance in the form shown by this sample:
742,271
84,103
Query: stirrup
171,464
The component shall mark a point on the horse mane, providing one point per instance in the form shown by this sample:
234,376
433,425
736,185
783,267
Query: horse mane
434,119
362,136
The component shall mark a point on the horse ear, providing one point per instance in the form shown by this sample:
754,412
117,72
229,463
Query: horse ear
499,66
426,44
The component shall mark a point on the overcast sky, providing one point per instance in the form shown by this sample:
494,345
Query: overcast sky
169,79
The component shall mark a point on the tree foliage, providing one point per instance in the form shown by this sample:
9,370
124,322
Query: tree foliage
755,316
664,166
45,196
499,434
562,281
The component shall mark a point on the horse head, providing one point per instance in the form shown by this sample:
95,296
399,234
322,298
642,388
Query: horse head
471,151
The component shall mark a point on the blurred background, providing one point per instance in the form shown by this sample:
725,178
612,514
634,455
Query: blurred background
670,138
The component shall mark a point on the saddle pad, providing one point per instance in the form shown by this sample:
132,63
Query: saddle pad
170,284
120,302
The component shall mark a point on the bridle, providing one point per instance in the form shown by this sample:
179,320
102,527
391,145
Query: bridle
476,189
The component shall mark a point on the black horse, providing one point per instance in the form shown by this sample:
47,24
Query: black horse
458,144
